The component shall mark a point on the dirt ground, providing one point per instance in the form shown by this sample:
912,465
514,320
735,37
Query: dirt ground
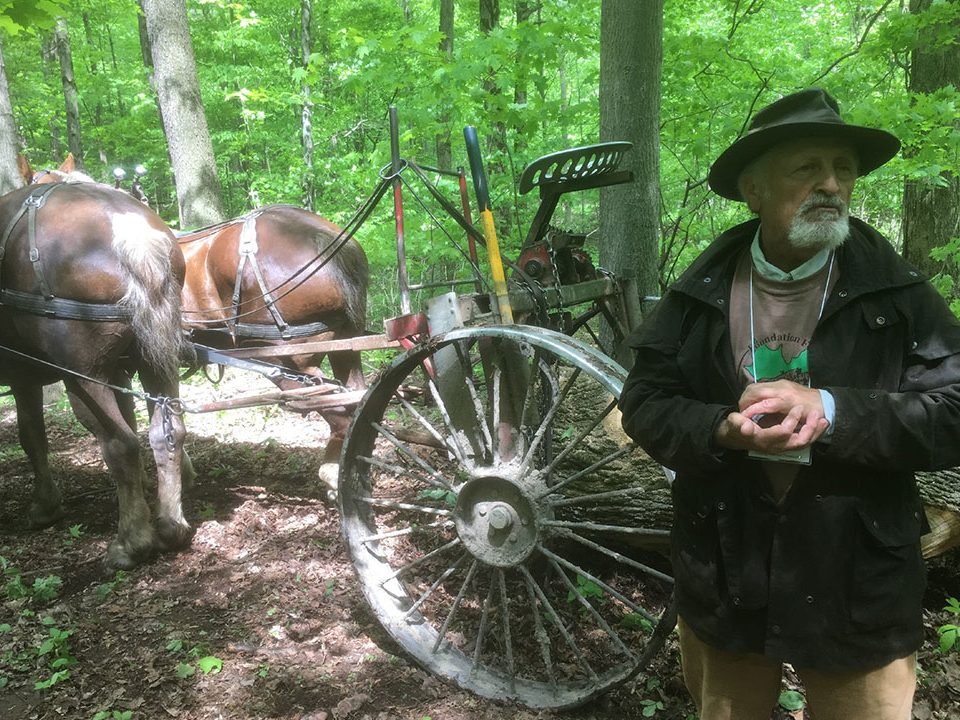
262,616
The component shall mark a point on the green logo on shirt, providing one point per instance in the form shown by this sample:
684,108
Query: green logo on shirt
772,365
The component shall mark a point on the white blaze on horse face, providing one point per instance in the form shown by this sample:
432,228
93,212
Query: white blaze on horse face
141,245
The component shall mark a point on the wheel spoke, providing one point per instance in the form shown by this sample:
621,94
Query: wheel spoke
482,630
456,605
467,366
595,498
400,471
399,505
572,444
454,434
546,422
434,476
401,532
505,615
539,631
449,442
580,473
436,583
593,578
558,622
623,559
420,560
601,528
590,609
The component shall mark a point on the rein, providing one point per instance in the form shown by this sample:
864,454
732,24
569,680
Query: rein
311,267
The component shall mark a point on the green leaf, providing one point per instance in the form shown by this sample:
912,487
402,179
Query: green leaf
210,664
948,637
52,680
185,670
791,700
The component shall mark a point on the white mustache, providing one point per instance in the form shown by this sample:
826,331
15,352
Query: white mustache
819,199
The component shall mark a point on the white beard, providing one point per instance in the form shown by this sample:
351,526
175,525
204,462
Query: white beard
819,234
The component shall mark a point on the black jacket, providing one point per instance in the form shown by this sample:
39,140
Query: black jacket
832,578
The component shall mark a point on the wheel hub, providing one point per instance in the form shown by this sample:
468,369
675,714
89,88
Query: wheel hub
496,521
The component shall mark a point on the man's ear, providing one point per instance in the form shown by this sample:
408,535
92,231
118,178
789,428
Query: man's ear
751,191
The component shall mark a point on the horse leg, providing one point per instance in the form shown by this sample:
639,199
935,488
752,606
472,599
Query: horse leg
167,435
348,370
45,506
97,409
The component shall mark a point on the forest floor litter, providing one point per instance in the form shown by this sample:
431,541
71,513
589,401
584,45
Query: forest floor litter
262,617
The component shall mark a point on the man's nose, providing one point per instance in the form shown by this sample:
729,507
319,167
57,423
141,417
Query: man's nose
828,182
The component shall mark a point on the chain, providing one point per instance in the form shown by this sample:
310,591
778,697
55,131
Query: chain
160,400
169,407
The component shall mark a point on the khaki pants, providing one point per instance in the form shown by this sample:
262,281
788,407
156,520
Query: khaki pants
728,686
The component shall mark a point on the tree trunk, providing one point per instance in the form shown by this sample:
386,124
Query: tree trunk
188,140
630,59
444,151
306,112
10,178
70,95
48,54
931,206
496,132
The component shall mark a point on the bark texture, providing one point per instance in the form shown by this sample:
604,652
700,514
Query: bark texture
10,178
931,206
184,123
631,54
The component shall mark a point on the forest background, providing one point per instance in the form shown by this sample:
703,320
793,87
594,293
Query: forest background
295,94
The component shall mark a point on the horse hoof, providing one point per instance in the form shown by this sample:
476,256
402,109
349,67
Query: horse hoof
329,474
174,535
121,556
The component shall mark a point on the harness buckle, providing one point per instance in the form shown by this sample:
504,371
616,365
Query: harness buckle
34,254
35,201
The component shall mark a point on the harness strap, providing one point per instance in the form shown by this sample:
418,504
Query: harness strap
248,252
250,331
64,309
31,204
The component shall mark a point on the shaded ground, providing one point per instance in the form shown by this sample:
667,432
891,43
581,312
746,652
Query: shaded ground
265,600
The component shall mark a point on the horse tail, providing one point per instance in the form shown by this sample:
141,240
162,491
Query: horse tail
351,265
153,293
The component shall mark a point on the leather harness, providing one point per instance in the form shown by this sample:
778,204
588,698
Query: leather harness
281,330
47,304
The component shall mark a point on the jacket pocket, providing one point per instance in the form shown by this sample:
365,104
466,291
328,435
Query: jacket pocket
696,552
888,571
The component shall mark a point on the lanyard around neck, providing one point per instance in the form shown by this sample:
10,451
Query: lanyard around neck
753,339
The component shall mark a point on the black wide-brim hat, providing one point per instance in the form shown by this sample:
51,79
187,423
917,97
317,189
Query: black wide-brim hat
808,113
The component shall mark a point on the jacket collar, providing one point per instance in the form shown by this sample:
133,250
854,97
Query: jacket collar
867,263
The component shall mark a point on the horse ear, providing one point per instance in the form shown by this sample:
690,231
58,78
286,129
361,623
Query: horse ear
23,166
68,165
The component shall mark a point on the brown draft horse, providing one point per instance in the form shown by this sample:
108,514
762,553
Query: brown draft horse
90,282
281,275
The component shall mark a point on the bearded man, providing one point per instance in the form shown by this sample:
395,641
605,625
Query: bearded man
795,377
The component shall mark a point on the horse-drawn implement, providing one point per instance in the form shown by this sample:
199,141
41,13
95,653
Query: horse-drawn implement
475,461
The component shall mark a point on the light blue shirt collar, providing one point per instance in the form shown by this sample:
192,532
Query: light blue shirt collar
772,272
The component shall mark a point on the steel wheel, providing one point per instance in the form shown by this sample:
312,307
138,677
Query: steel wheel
470,528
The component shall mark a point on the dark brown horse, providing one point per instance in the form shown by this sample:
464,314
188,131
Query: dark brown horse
90,282
281,275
